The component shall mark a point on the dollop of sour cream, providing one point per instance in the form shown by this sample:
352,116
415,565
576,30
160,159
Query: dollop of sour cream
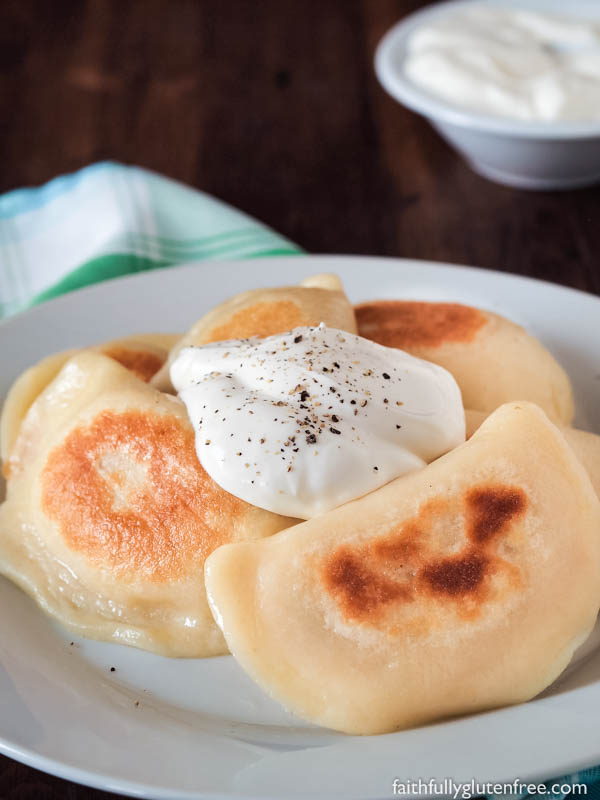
301,422
509,62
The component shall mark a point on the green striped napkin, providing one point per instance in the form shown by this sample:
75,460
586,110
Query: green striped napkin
108,220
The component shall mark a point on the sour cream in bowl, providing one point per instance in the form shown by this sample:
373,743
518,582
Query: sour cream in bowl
513,85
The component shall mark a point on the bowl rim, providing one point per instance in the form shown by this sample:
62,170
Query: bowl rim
439,111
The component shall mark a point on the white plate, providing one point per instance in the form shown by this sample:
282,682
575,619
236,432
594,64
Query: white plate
190,728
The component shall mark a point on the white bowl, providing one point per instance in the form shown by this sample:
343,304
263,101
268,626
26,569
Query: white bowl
528,155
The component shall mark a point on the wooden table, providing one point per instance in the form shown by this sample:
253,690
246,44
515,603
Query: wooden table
272,106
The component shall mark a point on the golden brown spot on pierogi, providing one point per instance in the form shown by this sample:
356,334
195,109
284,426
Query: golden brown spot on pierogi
262,319
491,509
128,493
456,576
406,324
142,363
361,591
446,554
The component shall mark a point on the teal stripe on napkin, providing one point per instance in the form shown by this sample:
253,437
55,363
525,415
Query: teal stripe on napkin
109,220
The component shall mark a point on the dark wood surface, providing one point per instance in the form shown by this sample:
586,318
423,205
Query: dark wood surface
273,106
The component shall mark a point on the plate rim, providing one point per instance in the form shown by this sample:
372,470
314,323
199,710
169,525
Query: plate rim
55,302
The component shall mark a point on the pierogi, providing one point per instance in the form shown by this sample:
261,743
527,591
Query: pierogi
144,354
109,515
264,312
585,445
493,360
429,597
